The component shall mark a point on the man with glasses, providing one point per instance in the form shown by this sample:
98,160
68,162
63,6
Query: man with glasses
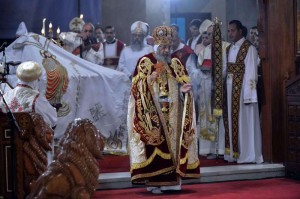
84,44
112,48
203,36
205,42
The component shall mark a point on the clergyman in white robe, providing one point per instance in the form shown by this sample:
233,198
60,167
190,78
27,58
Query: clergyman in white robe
249,131
131,54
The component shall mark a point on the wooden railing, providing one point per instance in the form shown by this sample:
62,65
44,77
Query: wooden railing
29,149
292,126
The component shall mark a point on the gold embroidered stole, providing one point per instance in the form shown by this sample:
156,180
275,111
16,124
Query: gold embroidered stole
217,77
238,71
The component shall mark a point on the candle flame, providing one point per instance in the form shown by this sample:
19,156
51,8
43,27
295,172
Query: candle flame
58,30
81,16
50,25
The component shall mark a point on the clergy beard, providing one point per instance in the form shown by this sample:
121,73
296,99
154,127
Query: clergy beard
136,45
164,59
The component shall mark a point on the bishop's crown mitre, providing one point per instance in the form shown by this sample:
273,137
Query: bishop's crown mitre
163,35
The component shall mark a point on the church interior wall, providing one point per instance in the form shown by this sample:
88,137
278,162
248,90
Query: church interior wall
246,11
157,12
217,8
121,14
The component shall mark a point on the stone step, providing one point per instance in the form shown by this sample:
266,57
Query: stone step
208,174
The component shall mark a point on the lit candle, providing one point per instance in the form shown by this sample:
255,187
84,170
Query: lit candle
57,37
50,30
57,33
81,16
44,27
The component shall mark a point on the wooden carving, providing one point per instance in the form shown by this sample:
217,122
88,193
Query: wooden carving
35,146
30,153
75,170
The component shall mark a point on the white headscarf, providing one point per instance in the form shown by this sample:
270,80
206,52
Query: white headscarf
139,27
205,25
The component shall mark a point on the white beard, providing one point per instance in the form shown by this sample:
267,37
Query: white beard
163,59
137,46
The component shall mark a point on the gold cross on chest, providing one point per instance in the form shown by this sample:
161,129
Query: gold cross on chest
159,67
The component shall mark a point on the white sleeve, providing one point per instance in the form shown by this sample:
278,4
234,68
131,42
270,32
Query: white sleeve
194,72
44,108
70,39
191,64
201,57
250,76
122,64
96,57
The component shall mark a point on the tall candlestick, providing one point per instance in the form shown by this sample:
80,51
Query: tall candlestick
58,42
44,27
50,31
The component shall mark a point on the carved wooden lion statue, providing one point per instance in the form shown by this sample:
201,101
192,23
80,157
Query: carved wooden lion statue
75,170
35,145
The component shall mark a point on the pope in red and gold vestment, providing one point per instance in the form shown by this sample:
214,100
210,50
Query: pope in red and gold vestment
161,120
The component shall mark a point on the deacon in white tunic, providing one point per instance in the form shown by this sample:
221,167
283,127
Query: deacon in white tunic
112,48
243,133
131,54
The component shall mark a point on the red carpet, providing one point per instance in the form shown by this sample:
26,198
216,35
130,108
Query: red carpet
114,163
277,188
